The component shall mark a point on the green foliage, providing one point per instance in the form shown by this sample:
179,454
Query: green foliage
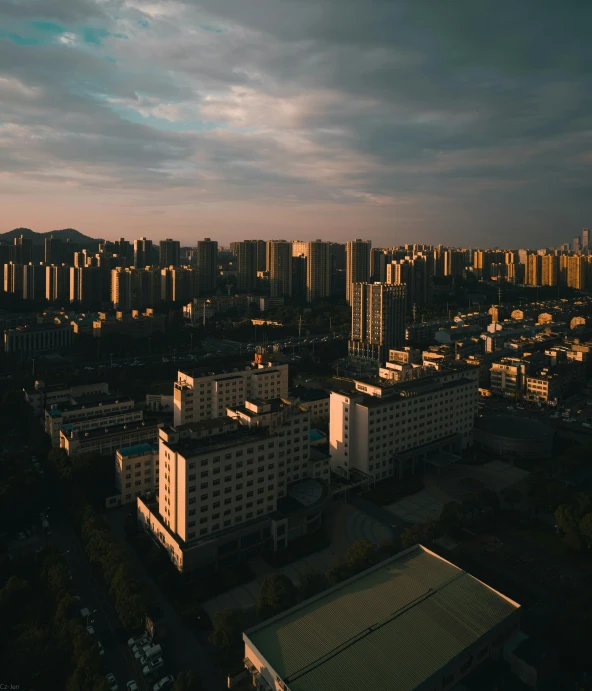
187,680
338,572
228,628
361,555
277,594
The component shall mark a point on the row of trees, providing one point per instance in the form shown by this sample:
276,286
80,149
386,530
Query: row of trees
278,593
575,522
43,645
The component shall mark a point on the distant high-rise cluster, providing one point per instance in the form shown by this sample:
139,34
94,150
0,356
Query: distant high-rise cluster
130,275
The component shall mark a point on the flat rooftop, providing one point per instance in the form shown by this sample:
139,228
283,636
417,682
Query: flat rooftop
393,626
195,447
96,401
138,449
308,395
86,435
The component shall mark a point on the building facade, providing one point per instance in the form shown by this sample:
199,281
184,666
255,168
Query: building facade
383,430
378,320
357,265
202,397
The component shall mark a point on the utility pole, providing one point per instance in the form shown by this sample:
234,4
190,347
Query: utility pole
299,326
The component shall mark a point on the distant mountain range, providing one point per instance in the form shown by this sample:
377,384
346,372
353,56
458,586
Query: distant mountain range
83,241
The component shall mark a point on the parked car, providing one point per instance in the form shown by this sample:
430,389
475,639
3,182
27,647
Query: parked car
90,630
153,666
111,682
135,639
164,683
131,685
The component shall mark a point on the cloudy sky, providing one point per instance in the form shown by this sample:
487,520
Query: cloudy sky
454,121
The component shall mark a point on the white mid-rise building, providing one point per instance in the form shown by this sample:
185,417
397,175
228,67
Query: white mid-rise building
89,412
382,429
222,483
136,471
206,396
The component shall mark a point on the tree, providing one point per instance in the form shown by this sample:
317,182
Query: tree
586,528
187,680
276,595
565,519
361,555
338,572
228,628
411,535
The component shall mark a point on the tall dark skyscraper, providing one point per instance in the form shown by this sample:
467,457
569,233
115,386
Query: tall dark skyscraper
22,250
357,264
207,265
53,250
378,320
170,253
280,268
299,277
585,238
247,252
142,253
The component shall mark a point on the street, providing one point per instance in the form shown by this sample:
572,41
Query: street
118,658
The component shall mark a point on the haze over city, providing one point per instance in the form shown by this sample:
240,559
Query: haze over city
399,122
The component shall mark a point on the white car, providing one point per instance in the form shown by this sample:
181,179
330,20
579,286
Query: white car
101,649
164,683
131,685
154,665
90,630
138,649
135,639
586,424
165,359
111,682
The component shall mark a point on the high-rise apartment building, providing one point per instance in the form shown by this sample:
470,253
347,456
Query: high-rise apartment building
379,258
33,281
207,265
13,279
380,431
247,255
585,239
53,252
261,255
299,277
534,267
318,270
577,243
22,250
417,275
280,268
378,320
202,397
576,271
86,285
57,283
318,267
357,265
170,253
454,262
142,253
549,270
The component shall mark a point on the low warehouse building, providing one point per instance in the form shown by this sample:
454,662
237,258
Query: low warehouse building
414,622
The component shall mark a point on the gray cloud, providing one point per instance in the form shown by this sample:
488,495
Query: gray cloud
467,114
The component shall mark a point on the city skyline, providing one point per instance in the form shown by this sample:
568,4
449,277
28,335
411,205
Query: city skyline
407,123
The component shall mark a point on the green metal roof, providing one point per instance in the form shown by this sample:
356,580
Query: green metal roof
391,627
